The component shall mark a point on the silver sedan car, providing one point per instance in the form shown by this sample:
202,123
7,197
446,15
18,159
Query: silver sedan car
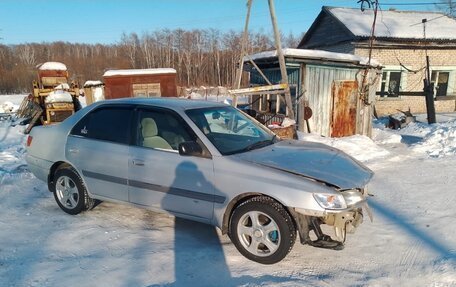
207,162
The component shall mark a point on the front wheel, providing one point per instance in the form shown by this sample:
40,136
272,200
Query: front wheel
70,192
262,230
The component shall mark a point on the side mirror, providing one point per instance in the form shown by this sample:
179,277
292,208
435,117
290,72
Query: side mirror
190,149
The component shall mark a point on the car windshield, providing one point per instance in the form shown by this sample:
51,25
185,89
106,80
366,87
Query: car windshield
231,131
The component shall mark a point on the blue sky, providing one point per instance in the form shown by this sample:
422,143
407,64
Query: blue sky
103,21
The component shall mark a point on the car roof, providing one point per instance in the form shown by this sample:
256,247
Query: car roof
165,102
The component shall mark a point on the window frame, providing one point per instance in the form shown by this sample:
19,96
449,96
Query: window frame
106,107
135,132
451,89
402,82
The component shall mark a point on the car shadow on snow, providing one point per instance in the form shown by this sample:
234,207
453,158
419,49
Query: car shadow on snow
199,259
444,252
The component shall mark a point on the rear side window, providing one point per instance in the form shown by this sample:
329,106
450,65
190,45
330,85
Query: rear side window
107,124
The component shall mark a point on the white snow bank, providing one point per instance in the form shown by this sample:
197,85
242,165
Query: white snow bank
54,66
417,129
88,84
7,107
385,136
15,99
10,103
360,147
131,72
12,149
315,55
436,140
440,141
59,96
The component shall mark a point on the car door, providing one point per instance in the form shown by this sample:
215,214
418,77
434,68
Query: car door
159,176
98,147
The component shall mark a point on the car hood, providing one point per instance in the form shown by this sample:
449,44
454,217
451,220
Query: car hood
313,160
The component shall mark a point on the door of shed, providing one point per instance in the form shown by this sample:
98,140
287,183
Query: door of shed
344,104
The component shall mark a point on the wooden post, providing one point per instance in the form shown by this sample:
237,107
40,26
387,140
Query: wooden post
237,82
429,92
428,87
283,68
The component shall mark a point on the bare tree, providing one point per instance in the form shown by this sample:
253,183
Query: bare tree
130,43
26,54
201,57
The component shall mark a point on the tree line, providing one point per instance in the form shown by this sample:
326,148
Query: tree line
201,57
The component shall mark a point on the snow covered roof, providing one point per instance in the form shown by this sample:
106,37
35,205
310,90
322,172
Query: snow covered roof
314,55
396,24
92,84
130,72
54,66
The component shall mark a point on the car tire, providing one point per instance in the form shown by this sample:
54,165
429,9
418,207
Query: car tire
70,192
262,230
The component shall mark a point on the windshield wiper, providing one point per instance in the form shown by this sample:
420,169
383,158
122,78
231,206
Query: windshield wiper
257,145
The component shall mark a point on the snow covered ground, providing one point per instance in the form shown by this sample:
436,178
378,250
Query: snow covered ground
412,241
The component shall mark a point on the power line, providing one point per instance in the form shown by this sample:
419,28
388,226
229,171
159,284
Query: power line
432,19
414,4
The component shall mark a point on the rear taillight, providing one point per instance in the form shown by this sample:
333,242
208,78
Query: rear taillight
29,140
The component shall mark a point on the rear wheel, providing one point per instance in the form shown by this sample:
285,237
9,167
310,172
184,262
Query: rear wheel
262,230
70,192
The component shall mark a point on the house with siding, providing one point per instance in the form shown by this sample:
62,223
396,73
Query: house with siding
401,44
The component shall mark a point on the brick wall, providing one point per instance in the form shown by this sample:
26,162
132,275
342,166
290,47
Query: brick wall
417,105
414,60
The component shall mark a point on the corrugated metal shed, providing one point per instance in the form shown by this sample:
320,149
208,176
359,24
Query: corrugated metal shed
316,83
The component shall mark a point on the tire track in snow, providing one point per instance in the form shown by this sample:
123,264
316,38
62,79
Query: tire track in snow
409,257
412,258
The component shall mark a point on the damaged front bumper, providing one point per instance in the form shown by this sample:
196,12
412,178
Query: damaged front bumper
343,221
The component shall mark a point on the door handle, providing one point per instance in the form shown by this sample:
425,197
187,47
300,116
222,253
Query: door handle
138,162
73,150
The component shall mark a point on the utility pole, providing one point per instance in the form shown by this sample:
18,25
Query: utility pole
428,86
283,68
237,82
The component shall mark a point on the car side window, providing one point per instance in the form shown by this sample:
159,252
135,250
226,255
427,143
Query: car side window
108,124
161,130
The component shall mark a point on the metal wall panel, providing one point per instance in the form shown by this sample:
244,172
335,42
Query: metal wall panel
317,85
274,76
345,108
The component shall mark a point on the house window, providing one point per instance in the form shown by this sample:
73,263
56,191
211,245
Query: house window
391,83
146,90
440,81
